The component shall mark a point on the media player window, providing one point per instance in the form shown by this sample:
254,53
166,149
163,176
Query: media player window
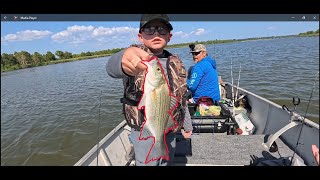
58,98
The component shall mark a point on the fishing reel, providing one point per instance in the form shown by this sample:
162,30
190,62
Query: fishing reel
192,46
295,103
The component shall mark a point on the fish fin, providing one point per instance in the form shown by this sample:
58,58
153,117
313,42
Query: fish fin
170,123
158,150
142,102
173,104
145,132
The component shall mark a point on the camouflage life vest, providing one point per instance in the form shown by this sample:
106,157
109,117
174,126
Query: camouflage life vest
133,91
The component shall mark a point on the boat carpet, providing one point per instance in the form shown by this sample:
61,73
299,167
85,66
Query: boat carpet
224,150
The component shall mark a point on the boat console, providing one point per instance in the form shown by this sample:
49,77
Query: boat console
223,123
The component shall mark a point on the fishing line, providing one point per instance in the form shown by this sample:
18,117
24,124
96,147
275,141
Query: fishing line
295,149
98,128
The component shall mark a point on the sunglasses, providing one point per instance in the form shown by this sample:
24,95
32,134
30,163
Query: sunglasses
152,30
195,53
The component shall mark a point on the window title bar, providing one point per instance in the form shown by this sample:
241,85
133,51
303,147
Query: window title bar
173,17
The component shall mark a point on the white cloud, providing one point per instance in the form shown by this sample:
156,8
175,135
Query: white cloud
199,32
105,31
60,35
180,34
79,34
77,28
184,35
74,34
26,35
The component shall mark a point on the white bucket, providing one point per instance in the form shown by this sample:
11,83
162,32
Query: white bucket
244,124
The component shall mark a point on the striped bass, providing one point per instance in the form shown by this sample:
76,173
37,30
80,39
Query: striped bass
158,103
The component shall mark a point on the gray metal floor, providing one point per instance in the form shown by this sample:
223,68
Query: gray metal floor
224,150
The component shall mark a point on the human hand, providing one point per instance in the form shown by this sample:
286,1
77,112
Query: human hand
186,134
254,160
315,152
221,81
131,61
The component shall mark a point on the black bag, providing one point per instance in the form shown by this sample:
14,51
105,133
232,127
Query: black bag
183,146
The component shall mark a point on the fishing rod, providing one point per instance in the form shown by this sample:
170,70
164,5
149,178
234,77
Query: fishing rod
98,129
238,84
303,119
214,48
232,98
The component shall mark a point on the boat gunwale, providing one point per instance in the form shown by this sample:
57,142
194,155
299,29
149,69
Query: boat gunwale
306,120
93,150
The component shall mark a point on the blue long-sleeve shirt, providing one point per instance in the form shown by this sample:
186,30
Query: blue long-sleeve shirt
204,80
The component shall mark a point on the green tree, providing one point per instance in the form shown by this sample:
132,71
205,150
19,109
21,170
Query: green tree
8,60
49,57
67,55
59,54
88,53
37,59
23,58
83,54
309,32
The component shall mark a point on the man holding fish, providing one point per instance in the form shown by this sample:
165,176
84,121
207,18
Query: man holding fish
154,102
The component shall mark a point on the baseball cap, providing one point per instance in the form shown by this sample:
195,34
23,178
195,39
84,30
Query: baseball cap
197,48
146,18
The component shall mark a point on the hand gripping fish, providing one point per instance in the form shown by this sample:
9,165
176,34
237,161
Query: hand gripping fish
158,103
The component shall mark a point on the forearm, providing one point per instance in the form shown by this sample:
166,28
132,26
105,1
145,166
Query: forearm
192,84
114,67
187,124
194,81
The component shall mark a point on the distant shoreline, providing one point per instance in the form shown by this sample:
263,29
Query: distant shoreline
16,67
239,40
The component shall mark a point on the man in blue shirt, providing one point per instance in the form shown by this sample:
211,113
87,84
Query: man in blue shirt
203,79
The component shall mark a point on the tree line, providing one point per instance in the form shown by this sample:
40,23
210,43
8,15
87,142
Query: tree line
23,59
310,33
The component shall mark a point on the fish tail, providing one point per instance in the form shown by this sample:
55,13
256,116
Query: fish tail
158,150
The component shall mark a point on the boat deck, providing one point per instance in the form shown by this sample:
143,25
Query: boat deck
228,150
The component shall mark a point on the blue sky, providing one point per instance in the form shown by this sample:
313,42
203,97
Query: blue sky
79,36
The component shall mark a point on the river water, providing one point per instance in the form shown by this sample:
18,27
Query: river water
50,114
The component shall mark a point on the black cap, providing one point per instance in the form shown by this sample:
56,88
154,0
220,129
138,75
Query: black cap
146,18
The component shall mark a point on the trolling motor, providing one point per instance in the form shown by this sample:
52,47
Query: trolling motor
295,120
